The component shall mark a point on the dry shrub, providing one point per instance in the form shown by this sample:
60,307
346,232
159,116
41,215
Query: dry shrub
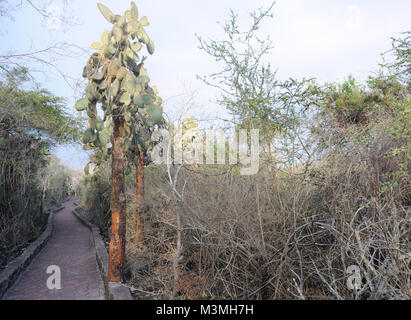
287,234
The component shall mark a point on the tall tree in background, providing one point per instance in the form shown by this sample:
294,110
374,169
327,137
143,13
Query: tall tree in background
131,111
250,89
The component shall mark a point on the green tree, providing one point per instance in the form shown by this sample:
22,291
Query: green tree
250,89
373,117
400,68
31,122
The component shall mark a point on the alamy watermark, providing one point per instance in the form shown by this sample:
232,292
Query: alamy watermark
213,147
54,280
358,279
354,279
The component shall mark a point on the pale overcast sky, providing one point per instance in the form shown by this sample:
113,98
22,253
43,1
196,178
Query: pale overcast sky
327,40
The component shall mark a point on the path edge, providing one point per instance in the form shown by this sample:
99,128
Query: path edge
18,265
116,290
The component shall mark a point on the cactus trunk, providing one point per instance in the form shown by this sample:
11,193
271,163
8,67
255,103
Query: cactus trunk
118,204
139,199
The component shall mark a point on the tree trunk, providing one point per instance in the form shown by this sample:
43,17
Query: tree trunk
118,202
139,236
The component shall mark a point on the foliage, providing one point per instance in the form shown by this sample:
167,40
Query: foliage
31,122
34,112
250,89
375,115
121,87
95,195
400,68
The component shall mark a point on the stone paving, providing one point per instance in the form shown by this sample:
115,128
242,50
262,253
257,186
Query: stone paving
70,248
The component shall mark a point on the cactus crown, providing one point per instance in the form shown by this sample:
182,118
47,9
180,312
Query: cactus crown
119,84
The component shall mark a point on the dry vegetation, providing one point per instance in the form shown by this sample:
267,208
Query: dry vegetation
287,233
338,196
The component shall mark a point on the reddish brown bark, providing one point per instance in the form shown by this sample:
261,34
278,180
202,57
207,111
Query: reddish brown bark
139,236
118,203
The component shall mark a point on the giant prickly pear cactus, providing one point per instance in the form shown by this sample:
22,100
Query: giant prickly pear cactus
123,110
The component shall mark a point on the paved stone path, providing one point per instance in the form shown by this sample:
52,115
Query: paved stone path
71,249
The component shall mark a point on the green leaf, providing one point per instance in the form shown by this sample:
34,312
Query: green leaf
117,33
97,142
134,10
148,99
106,12
121,21
159,101
104,37
90,95
130,54
111,48
104,137
155,90
150,90
127,14
136,46
155,114
107,53
138,88
139,34
133,26
99,124
143,72
138,101
129,83
89,136
96,45
115,87
150,47
125,98
144,38
144,21
82,104
142,79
